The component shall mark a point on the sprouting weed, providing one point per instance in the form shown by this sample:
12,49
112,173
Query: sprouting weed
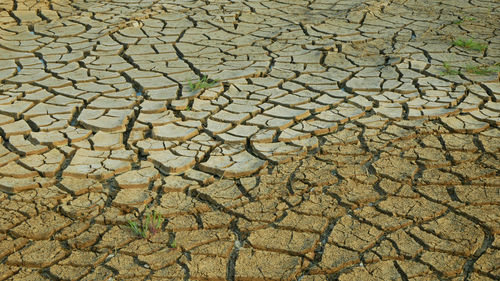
173,244
134,226
483,69
149,226
155,222
470,44
202,84
464,20
474,69
448,70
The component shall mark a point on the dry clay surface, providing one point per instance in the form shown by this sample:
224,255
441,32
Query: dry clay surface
342,140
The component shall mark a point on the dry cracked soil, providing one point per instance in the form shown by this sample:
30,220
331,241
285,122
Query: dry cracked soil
334,140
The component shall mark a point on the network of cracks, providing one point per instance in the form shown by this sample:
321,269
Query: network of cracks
339,140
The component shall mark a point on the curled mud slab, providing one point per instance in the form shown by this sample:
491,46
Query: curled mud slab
343,140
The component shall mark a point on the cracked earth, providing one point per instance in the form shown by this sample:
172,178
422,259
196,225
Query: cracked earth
335,145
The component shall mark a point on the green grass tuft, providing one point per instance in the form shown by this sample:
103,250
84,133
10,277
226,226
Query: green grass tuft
474,69
483,69
470,44
464,20
134,226
148,227
448,70
203,83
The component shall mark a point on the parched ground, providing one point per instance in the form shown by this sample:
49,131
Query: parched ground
339,140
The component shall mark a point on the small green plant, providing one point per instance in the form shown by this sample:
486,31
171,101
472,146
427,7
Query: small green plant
149,227
134,226
470,44
202,84
483,69
188,108
464,20
475,69
448,70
